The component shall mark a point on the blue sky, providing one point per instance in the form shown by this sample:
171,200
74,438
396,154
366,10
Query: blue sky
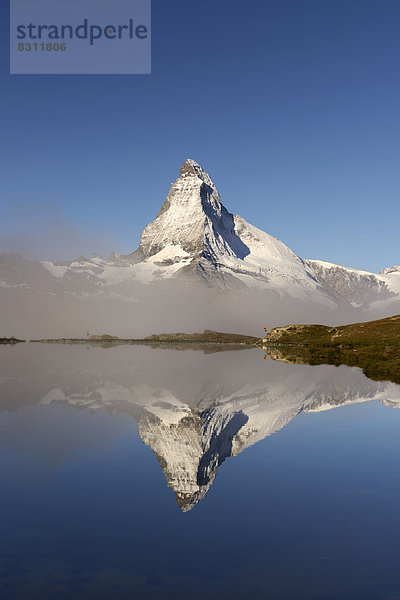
291,105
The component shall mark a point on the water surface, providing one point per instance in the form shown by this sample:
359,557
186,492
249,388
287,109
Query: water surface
131,472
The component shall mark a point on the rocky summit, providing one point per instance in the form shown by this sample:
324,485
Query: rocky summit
195,235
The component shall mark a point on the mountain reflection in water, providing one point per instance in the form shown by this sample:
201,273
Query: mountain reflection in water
193,410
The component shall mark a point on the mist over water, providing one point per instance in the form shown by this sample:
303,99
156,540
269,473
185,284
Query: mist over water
157,308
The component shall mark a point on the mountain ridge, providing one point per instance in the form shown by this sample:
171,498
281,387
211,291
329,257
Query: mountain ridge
195,241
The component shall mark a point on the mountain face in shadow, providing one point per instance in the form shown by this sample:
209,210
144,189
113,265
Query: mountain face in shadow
193,410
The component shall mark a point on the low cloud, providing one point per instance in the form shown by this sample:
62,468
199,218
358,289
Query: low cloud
40,230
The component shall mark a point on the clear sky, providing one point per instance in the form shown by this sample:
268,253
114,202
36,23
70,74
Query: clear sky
292,106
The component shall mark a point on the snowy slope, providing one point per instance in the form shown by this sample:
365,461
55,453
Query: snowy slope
204,239
359,287
194,238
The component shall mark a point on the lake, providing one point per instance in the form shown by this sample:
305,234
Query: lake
142,473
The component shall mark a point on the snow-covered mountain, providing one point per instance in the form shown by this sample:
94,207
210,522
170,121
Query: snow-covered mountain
195,240
360,288
194,235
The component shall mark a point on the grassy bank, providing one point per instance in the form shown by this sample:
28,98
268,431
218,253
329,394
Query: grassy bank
373,346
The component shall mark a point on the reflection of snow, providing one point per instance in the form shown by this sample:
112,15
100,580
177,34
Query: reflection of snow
190,442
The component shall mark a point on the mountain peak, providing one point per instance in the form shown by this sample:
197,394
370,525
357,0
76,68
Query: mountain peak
388,270
191,216
191,168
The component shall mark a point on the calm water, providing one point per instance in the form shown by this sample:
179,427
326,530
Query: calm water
152,474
